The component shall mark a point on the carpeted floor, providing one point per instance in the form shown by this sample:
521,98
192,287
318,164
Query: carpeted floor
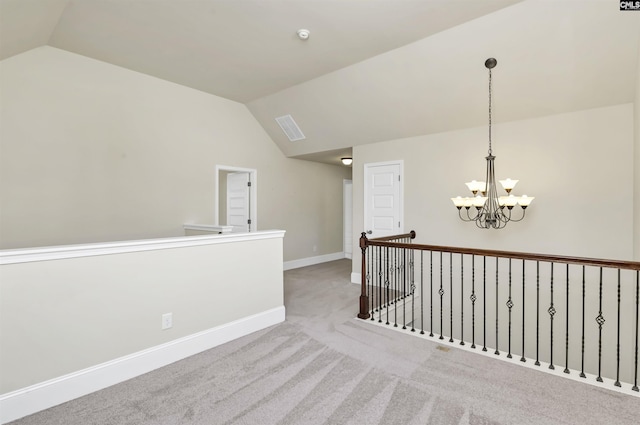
323,366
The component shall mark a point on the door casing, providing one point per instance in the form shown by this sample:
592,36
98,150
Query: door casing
253,196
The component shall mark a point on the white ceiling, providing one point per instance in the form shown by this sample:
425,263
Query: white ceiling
238,49
372,70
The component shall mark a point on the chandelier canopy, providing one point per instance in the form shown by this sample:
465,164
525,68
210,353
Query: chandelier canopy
491,211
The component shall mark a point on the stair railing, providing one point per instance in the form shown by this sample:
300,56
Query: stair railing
571,312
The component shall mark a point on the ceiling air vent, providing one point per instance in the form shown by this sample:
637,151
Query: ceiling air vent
290,128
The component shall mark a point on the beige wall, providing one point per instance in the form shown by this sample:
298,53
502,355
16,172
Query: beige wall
579,166
94,152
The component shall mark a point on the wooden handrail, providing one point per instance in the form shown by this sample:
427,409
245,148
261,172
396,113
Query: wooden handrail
625,265
410,235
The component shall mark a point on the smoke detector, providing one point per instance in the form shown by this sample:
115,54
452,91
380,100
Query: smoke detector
303,34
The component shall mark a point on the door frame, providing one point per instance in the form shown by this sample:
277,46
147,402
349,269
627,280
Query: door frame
369,165
253,193
347,216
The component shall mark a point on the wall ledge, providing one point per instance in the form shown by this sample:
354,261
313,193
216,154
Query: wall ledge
27,255
208,228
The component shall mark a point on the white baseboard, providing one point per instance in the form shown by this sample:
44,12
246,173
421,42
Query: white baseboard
310,261
25,401
356,277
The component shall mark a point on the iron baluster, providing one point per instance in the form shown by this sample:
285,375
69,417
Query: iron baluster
552,312
600,320
441,292
380,283
386,282
566,337
497,353
451,296
402,274
400,284
635,379
473,301
421,292
374,275
617,383
537,363
461,299
395,270
372,291
431,292
582,375
522,358
405,285
413,289
509,305
484,303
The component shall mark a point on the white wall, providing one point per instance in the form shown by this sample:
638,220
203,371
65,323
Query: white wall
579,166
94,152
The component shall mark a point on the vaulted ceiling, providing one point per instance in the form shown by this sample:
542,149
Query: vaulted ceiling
371,70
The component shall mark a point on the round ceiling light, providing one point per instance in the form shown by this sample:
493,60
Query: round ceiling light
303,34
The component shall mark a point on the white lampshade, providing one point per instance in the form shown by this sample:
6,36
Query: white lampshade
347,161
479,201
510,201
468,202
525,200
458,201
476,186
508,184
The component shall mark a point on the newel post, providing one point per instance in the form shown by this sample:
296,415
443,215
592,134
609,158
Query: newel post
364,300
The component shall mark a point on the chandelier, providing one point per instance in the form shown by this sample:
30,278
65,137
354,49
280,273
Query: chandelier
490,211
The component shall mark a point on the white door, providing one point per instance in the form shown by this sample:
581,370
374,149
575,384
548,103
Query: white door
348,218
238,213
383,199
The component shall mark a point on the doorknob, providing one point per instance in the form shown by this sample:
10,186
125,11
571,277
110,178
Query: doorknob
369,232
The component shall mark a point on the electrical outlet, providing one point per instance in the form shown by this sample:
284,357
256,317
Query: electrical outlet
167,321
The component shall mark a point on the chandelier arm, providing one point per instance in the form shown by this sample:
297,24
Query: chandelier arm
517,220
471,217
460,215
506,218
468,219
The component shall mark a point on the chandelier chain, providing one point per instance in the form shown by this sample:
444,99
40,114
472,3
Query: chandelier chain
490,151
